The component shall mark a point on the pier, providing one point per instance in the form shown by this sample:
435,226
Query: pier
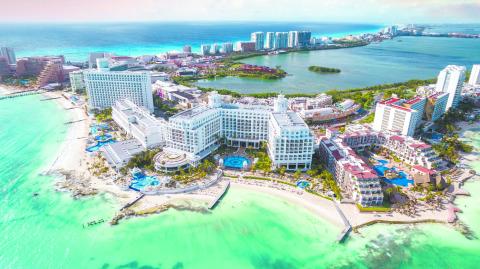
219,196
19,94
51,98
348,228
132,202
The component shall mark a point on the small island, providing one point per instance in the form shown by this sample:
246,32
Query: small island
322,69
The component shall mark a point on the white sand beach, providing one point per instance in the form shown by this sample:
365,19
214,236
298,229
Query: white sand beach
323,208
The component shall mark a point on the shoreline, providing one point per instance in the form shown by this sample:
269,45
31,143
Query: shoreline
319,207
71,163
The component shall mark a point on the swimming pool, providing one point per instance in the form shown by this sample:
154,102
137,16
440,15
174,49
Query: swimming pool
302,184
99,145
401,180
103,138
235,162
140,181
99,127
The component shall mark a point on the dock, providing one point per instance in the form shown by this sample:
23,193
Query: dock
51,98
132,202
19,94
219,196
348,228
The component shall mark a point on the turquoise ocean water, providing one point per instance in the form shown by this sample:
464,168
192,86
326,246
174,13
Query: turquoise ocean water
247,230
76,41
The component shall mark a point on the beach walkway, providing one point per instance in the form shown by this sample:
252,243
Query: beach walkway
348,228
19,94
219,196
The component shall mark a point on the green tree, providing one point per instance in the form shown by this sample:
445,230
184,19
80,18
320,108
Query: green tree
297,174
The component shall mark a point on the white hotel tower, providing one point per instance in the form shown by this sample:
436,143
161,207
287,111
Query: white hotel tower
450,80
105,87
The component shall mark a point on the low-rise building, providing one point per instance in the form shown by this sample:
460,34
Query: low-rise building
119,154
139,123
353,175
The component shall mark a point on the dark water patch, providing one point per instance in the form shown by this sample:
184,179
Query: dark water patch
266,262
137,265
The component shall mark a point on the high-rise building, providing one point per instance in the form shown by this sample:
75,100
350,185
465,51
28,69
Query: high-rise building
33,66
187,49
8,53
76,81
259,39
205,49
270,40
435,106
475,75
51,73
216,48
281,40
246,46
303,38
450,80
105,87
227,48
4,67
293,39
392,115
92,58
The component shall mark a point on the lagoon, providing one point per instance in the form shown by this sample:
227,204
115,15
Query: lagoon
396,60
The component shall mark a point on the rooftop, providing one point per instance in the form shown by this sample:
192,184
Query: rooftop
289,119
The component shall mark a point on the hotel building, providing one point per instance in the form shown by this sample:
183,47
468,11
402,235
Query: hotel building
246,46
435,106
139,123
398,115
303,39
474,75
227,48
105,87
450,80
259,39
205,49
270,41
290,143
355,178
8,53
76,81
216,48
293,39
406,148
193,134
4,67
281,40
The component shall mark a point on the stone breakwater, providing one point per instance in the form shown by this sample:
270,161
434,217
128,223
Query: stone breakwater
73,182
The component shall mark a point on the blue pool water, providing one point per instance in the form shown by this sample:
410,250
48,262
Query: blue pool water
104,137
140,181
303,184
402,180
99,127
235,162
99,145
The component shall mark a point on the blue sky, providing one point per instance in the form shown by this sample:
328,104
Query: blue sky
378,11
